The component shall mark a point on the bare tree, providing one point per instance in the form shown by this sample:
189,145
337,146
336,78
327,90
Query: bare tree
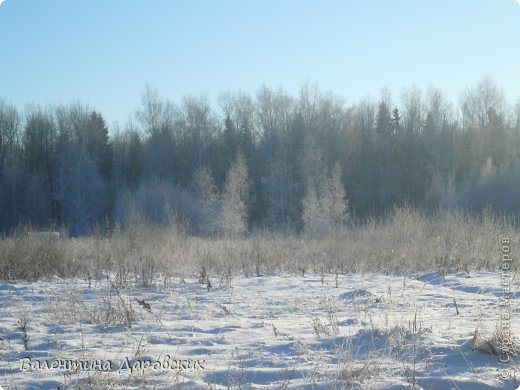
477,103
206,191
235,198
150,115
325,208
335,202
81,192
9,128
313,219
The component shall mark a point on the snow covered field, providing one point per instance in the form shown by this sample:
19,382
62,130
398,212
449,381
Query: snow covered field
280,331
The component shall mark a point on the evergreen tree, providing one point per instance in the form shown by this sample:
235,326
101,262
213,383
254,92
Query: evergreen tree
97,144
384,173
134,161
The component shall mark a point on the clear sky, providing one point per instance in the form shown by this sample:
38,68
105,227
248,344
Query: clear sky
104,52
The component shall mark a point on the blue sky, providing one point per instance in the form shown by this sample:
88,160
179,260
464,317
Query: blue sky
104,52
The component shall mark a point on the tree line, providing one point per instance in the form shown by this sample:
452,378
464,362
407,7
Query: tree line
269,160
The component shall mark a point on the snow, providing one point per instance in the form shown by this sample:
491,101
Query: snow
278,331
